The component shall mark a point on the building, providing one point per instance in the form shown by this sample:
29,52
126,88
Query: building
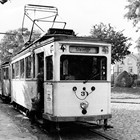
131,64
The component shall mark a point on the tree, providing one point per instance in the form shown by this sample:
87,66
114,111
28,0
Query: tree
133,14
120,43
124,79
14,41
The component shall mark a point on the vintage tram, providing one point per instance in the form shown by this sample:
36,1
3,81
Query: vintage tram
5,82
76,77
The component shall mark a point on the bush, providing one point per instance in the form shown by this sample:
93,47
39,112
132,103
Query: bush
137,82
124,79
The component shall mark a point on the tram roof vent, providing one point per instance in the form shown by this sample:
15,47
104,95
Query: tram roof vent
56,31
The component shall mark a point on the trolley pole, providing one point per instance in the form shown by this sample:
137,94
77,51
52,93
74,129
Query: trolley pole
6,33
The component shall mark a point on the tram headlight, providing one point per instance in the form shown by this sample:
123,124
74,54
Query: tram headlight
74,88
92,88
84,105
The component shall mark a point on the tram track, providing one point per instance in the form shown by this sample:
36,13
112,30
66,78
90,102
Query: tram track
96,130
107,137
60,134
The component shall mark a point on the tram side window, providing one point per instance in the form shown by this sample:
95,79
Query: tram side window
22,68
5,73
13,71
49,68
17,69
28,66
33,65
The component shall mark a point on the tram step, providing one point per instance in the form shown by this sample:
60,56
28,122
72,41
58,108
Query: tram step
40,121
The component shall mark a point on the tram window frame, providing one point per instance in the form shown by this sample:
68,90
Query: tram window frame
13,71
5,73
40,57
28,68
22,68
33,58
88,68
49,67
17,69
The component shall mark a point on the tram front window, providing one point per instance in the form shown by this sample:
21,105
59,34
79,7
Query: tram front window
74,67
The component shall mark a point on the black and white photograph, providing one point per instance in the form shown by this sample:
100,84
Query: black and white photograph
70,70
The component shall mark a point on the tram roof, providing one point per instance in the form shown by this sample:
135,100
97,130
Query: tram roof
58,37
66,34
5,63
70,36
63,37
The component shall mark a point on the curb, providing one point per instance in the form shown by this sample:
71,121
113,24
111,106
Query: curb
125,102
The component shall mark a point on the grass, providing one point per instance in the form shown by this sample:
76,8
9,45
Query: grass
125,93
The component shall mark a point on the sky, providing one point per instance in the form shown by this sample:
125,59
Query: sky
80,15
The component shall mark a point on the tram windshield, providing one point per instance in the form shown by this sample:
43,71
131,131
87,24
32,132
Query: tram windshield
81,67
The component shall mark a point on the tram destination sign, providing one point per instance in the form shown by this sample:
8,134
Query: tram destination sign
84,49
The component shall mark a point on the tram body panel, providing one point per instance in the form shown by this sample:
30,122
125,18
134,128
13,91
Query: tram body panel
67,103
48,98
62,101
23,91
6,87
5,81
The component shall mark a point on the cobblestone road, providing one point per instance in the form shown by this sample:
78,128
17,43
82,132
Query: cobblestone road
125,121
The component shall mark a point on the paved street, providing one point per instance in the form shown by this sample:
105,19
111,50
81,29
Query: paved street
9,131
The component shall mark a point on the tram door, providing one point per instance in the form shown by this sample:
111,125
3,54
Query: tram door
40,79
40,57
48,86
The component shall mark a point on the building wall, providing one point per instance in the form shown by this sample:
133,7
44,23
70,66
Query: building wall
129,64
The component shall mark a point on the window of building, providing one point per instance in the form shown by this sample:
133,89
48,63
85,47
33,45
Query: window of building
130,69
129,61
120,69
122,63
